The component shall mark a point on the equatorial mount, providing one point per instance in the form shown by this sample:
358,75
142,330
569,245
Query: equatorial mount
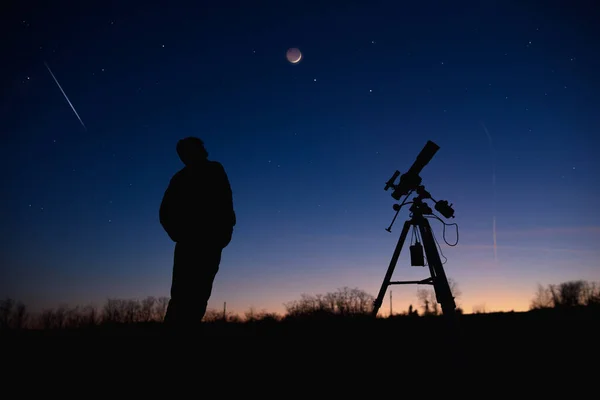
419,206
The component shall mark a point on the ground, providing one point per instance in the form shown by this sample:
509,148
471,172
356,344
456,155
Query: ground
527,346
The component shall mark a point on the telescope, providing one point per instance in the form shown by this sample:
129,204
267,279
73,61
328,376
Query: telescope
410,180
425,246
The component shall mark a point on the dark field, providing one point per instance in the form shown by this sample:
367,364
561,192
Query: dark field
524,345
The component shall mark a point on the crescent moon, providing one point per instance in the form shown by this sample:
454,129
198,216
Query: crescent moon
293,55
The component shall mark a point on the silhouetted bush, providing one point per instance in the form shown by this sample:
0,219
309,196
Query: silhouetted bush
345,301
253,316
212,315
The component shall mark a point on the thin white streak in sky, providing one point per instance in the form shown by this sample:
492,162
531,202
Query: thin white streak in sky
64,94
493,190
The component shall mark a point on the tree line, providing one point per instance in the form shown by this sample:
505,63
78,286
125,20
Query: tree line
344,302
569,294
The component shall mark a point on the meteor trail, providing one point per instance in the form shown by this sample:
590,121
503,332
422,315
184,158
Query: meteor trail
64,94
493,188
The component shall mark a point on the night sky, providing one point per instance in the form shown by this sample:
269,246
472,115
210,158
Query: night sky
509,90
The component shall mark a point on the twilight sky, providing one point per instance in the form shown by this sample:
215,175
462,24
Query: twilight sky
507,89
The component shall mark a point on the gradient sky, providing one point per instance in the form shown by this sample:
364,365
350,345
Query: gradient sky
308,147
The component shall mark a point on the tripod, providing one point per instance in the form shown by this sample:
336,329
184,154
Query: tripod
437,275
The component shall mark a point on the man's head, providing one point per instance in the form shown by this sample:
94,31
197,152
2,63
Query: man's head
191,151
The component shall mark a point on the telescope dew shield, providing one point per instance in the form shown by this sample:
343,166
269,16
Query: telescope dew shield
411,179
423,158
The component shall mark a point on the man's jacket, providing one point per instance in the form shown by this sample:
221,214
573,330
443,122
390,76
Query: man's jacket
198,205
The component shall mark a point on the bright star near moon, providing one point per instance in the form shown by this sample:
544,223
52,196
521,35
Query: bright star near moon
293,55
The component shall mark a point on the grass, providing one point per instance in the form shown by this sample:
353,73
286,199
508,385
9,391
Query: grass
325,353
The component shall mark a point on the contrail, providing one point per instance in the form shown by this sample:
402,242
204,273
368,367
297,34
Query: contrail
493,190
64,94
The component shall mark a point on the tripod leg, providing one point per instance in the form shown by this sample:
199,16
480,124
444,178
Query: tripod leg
390,271
440,282
454,338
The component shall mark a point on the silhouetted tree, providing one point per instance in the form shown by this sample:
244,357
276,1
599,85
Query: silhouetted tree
131,310
345,301
113,311
412,312
542,298
20,317
146,310
6,308
73,317
160,309
591,294
89,316
566,295
13,314
428,300
54,318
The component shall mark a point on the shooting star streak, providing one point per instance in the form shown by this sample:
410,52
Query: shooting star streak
64,94
493,190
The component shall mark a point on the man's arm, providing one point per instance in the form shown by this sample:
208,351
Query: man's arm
168,208
226,195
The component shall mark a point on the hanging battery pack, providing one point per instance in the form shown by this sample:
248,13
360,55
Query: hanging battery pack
417,258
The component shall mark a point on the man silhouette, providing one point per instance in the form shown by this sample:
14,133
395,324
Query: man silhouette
197,213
